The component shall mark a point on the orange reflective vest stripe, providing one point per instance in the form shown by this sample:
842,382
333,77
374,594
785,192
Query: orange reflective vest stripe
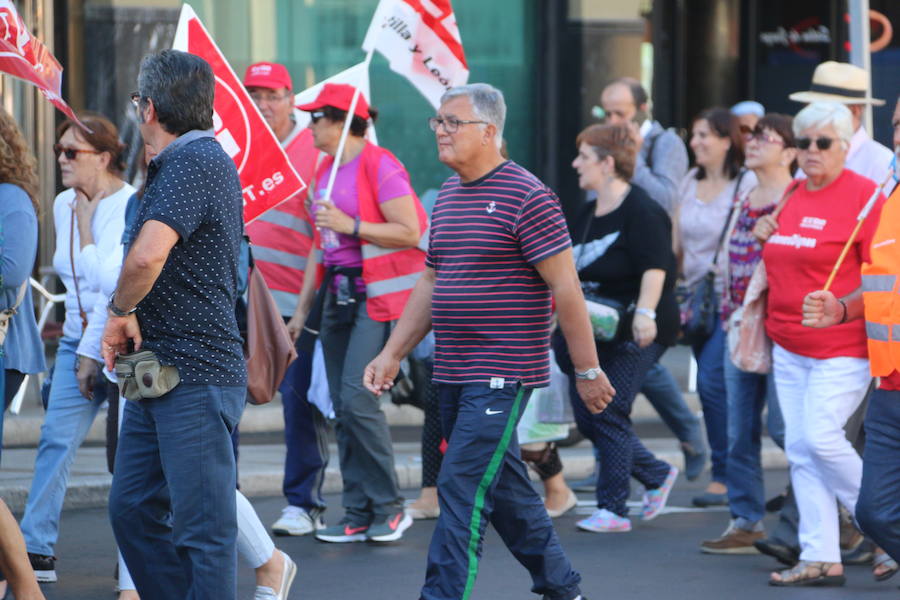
881,294
389,273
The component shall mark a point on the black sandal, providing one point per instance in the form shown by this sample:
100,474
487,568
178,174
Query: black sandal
809,574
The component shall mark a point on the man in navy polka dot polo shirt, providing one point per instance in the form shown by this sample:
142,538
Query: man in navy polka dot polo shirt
172,502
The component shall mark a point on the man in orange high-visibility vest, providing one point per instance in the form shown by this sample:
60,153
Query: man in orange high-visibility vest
878,301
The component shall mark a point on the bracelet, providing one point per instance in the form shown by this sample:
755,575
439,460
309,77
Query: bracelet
844,316
115,310
647,312
356,223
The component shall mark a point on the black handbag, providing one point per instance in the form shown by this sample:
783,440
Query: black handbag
699,304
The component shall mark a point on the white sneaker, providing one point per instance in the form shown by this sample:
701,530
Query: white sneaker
296,521
287,579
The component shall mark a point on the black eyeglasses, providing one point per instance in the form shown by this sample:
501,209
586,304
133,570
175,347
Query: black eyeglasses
760,136
72,153
315,116
822,143
451,124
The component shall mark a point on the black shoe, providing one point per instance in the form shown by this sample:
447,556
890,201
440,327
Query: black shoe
44,567
778,550
707,499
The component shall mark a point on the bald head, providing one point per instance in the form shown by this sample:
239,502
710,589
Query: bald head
622,99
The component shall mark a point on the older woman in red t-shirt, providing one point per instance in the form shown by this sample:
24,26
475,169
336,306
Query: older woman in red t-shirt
821,376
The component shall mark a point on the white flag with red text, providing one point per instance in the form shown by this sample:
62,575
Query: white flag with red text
267,176
421,41
25,57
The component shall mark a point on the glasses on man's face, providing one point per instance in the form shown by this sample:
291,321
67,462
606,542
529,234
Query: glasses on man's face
822,143
316,116
451,124
72,153
760,136
268,98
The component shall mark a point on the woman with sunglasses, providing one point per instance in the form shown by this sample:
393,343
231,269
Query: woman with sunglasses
368,233
771,155
707,193
89,217
821,375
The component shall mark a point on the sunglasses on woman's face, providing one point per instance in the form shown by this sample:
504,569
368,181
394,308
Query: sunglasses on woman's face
72,153
822,143
759,135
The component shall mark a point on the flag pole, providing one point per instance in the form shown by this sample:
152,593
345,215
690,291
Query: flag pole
346,131
859,221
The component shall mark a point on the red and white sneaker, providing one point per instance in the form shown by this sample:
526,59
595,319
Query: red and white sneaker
389,528
343,532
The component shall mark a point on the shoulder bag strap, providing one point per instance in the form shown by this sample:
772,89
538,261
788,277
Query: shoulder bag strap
81,313
731,213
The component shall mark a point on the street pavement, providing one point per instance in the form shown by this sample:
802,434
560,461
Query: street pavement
657,560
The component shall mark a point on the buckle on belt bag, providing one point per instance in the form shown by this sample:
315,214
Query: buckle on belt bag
141,376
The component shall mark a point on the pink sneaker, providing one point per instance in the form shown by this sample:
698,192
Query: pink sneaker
604,521
655,500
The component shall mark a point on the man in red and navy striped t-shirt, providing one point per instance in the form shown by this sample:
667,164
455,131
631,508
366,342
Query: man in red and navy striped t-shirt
499,249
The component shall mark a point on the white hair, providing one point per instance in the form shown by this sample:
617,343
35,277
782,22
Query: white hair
823,114
487,104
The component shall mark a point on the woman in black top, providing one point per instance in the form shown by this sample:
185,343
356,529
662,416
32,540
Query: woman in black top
623,252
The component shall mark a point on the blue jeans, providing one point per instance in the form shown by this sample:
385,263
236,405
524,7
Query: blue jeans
306,438
663,393
711,389
748,393
878,507
172,502
68,419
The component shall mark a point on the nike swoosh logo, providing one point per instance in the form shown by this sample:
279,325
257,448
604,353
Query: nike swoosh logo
393,523
353,530
492,412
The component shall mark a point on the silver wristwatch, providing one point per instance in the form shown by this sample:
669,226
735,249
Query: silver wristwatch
647,312
590,374
115,310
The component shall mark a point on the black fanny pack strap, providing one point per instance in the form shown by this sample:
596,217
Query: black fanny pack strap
307,340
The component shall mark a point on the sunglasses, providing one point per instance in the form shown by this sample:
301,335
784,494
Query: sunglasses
822,143
71,153
760,136
315,116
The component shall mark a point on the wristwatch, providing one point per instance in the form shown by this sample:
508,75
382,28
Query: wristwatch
647,312
590,374
115,310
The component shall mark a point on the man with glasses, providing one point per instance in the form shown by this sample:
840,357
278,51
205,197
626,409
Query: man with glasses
498,248
172,502
282,241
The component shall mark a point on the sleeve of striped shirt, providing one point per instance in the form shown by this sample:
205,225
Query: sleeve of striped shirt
541,226
429,258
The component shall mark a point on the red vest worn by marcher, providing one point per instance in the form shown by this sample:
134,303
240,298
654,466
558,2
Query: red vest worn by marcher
389,273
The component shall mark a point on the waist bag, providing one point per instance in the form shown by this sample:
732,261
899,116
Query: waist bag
141,376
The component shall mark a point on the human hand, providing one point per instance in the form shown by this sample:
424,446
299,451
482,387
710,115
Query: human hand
86,207
86,374
764,228
644,330
330,216
379,374
821,309
595,393
295,325
116,334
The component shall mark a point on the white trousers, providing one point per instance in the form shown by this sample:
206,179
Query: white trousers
817,397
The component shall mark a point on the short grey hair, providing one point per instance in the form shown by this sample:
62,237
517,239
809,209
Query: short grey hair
823,114
182,88
487,103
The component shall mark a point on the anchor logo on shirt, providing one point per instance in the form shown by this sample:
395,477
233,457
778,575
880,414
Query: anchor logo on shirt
491,207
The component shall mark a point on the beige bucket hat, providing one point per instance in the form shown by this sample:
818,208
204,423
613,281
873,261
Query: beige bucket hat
837,82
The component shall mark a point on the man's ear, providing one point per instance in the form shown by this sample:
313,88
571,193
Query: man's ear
148,112
490,132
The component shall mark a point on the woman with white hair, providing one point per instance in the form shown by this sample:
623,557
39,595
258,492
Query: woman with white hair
821,375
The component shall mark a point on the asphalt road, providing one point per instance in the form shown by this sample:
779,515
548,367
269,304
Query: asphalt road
657,560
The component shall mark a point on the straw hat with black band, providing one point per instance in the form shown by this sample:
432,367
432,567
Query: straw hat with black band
838,82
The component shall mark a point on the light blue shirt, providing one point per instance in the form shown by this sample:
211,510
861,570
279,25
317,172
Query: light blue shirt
23,349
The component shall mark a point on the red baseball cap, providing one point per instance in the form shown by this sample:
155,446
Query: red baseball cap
338,95
268,75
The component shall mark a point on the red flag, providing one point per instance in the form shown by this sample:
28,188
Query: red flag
25,57
421,41
267,177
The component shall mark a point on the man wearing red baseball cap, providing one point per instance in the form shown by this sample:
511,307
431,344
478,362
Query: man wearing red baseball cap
282,241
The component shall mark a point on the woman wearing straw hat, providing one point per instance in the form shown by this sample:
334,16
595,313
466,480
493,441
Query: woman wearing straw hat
821,376
849,85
